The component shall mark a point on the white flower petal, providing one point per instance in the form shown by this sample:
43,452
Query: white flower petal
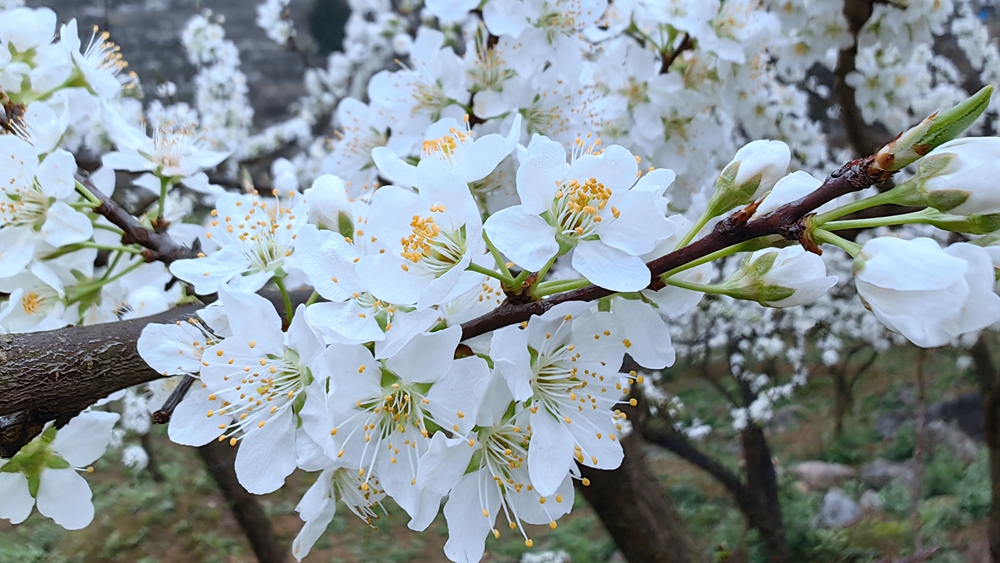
647,333
65,225
84,439
609,267
64,496
267,455
15,500
550,453
526,239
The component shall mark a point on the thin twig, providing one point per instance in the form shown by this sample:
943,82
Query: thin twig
667,59
163,414
158,246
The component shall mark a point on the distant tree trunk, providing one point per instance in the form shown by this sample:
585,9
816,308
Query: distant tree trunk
989,390
636,510
218,459
762,480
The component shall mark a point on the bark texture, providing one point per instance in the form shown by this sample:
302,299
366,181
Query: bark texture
52,376
637,511
218,459
989,390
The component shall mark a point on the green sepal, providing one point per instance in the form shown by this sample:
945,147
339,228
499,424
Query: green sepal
933,164
970,224
946,200
345,225
727,195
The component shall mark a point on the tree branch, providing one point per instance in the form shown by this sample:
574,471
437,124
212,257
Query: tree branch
54,375
786,221
857,13
158,246
667,59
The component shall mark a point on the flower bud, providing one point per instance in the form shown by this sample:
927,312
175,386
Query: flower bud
932,132
780,278
929,295
752,173
960,176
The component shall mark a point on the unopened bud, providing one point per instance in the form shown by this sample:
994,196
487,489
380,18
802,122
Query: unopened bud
936,130
751,174
780,278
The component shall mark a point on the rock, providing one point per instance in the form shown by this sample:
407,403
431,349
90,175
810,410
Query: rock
966,411
786,418
878,473
820,475
838,511
870,500
941,434
888,423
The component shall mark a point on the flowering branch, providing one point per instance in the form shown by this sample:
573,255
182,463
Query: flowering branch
158,245
787,221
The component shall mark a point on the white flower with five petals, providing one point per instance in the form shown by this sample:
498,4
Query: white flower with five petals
593,205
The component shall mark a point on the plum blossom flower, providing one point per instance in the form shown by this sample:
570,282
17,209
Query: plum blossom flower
175,153
174,350
430,239
454,144
385,410
410,100
360,131
35,198
564,367
754,170
958,176
100,66
255,237
490,478
319,505
594,205
45,472
929,295
786,277
256,379
351,314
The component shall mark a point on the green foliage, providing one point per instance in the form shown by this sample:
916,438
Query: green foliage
942,474
848,448
895,497
974,489
903,444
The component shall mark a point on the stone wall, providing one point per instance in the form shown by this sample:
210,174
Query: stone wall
148,32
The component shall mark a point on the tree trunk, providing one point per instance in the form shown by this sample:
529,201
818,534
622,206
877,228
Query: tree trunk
844,401
638,513
989,390
218,459
762,480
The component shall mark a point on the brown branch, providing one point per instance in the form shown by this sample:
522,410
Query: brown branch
158,246
679,444
163,414
786,221
265,543
859,134
53,375
667,59
97,360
